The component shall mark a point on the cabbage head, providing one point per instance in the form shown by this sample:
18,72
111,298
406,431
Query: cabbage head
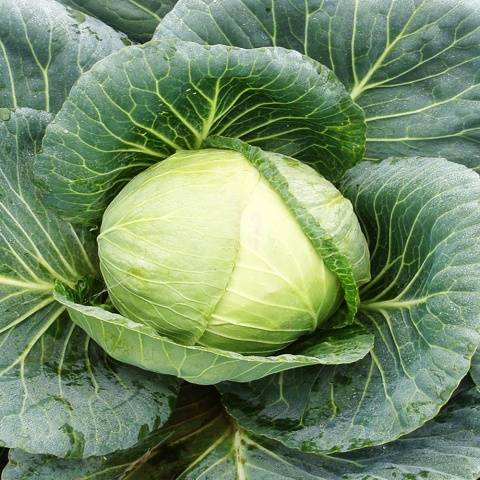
202,248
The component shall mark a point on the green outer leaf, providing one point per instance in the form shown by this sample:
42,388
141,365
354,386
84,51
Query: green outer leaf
68,398
36,248
412,66
137,18
43,50
144,102
446,448
59,393
197,419
328,244
422,220
141,346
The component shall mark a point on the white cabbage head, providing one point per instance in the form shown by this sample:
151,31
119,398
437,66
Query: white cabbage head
204,250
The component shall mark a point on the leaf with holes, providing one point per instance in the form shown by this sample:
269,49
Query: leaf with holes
412,66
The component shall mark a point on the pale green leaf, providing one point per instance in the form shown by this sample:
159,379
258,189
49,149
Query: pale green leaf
142,346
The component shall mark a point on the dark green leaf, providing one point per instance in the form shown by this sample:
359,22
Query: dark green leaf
143,103
137,18
422,220
196,422
43,50
447,448
411,65
59,392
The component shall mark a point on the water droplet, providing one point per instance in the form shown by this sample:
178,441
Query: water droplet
5,114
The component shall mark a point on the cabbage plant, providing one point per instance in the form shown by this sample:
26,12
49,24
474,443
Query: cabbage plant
246,248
